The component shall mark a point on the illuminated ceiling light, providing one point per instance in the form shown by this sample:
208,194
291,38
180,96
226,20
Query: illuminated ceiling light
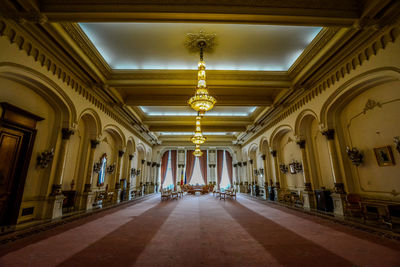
198,137
202,101
197,152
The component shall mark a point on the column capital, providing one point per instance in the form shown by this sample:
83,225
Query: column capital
121,153
263,156
143,161
273,153
66,133
94,143
302,144
131,157
251,162
329,134
244,163
148,163
239,164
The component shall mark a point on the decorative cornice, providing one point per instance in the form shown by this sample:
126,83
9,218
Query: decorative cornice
41,54
351,63
329,134
66,133
302,144
80,38
94,143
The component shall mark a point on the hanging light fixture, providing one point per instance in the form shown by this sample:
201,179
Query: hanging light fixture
198,137
202,101
197,152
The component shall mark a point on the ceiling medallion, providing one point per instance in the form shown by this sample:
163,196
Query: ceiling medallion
193,39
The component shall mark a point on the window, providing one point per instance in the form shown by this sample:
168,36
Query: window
225,183
168,182
196,177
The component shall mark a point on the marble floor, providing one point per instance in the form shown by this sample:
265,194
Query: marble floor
201,231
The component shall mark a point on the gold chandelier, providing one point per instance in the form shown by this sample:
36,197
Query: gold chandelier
202,101
197,152
198,137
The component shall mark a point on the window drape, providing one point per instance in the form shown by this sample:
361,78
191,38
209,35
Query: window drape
190,159
220,162
228,161
164,166
203,166
173,166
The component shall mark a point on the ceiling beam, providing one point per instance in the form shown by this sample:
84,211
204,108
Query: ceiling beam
191,128
181,100
297,12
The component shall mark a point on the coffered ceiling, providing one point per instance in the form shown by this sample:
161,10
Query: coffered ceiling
267,54
140,46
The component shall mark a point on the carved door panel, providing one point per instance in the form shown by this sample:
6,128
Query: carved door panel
11,142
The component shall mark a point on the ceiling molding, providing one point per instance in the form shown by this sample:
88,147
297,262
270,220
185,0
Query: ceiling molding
294,12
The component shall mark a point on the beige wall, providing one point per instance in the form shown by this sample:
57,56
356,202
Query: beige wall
368,128
334,107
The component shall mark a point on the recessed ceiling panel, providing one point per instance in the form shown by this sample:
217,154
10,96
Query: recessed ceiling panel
187,111
139,46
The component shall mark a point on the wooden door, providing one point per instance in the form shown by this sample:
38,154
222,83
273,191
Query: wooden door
11,144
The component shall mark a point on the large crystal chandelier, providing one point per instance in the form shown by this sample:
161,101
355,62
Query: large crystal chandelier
202,101
198,137
197,152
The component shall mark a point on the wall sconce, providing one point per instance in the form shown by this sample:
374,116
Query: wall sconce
284,169
133,172
44,159
396,140
355,156
111,168
97,167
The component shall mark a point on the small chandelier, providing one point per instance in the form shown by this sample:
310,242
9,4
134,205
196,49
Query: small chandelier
198,137
197,152
202,101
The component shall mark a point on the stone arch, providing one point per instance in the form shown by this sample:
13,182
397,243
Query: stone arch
277,133
43,86
117,133
331,118
93,120
353,87
304,115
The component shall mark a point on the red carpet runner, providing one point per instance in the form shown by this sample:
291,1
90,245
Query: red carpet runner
201,231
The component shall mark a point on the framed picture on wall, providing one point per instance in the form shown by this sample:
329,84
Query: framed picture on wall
384,156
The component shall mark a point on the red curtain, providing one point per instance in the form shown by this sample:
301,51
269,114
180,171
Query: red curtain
173,166
228,161
190,159
220,162
203,165
164,166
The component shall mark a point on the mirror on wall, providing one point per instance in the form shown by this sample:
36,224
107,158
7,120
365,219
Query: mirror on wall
103,169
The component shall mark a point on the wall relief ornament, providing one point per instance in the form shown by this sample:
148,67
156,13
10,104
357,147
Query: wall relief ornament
354,155
370,105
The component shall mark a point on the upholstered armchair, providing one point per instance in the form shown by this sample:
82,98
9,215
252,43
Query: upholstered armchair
353,206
